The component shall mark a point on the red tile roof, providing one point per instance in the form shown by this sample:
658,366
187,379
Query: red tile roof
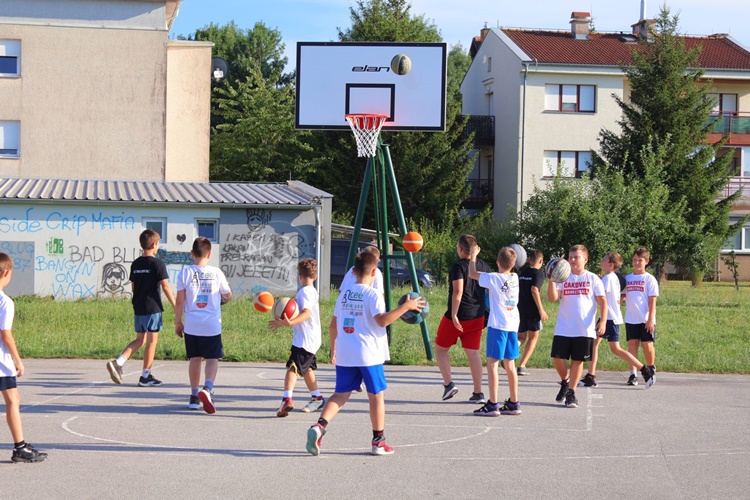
611,49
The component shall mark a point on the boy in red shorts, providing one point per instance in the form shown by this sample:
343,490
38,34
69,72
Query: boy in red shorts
463,320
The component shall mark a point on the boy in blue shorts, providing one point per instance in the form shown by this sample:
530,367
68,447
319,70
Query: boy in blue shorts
305,341
576,326
611,262
201,289
11,367
502,329
359,347
148,277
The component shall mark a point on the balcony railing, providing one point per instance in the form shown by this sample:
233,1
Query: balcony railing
731,123
483,128
481,193
738,183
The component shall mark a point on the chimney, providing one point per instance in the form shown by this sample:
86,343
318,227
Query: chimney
483,32
579,25
645,29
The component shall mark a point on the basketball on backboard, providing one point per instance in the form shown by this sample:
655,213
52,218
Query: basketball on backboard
401,64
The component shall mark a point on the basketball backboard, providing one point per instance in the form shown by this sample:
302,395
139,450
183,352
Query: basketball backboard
339,78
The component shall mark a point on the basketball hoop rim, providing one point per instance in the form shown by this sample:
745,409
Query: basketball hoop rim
360,120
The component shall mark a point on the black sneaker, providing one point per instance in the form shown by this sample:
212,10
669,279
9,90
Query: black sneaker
632,380
27,453
563,389
477,397
522,371
195,403
511,408
648,377
149,381
488,410
449,391
588,381
570,399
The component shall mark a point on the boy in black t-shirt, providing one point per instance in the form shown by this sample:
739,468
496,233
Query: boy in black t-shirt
463,320
530,307
148,276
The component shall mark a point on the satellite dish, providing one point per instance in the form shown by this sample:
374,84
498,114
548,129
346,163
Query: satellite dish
219,69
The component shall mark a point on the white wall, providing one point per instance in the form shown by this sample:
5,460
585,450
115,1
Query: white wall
75,251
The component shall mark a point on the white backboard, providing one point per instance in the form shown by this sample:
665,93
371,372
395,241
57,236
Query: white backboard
339,78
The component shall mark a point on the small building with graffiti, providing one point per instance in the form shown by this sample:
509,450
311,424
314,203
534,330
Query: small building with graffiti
75,239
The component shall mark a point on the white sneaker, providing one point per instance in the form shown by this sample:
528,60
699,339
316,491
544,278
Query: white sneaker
314,404
208,403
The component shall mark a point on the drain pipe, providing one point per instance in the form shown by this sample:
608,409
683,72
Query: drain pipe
523,130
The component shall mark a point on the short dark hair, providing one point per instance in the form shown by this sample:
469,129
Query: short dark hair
307,268
364,262
615,258
534,255
201,247
466,241
373,250
579,248
148,238
507,257
643,253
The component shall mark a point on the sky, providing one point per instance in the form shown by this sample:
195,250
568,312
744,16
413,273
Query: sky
460,20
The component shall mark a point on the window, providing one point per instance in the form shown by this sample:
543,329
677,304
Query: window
740,241
724,104
208,229
10,57
156,224
489,64
571,163
570,98
10,138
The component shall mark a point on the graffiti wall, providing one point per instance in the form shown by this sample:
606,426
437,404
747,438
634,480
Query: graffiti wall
77,252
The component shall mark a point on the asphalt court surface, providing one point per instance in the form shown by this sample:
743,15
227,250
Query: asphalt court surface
686,437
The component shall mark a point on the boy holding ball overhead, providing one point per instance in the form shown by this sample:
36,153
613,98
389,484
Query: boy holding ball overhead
305,341
359,346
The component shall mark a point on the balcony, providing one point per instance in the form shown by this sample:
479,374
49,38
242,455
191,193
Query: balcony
483,128
481,194
735,125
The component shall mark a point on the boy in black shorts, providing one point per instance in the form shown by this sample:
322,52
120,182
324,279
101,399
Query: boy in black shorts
530,307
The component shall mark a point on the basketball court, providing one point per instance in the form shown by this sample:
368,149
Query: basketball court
686,437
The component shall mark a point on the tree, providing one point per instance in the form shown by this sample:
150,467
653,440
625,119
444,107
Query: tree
669,110
431,168
256,139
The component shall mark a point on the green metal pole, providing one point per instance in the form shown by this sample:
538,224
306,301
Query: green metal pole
402,227
360,214
385,246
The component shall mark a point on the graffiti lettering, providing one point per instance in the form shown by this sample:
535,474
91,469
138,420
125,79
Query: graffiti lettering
25,225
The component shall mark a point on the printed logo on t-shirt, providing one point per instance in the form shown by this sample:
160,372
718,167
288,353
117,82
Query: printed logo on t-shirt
201,301
636,286
576,288
348,325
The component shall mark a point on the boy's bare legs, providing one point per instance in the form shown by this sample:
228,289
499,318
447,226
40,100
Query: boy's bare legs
140,339
510,370
13,413
212,368
531,339
649,353
290,380
576,370
310,381
194,371
492,378
475,365
594,356
334,404
621,353
444,363
561,365
151,339
633,350
377,410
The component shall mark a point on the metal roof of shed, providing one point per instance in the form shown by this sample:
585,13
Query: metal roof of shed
292,193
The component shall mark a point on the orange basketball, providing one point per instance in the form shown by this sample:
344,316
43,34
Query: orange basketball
263,301
412,241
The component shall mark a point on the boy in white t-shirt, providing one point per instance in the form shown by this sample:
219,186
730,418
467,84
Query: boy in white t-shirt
11,367
611,262
201,290
350,278
306,341
576,326
359,346
502,329
641,292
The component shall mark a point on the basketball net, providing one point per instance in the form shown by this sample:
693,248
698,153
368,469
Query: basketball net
366,128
